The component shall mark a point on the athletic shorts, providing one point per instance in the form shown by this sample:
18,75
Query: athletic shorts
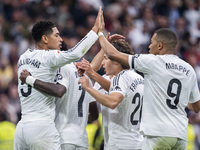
72,147
163,143
36,136
114,147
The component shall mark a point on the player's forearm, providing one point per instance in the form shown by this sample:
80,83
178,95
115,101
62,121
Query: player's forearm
105,100
108,48
52,89
194,106
112,52
84,45
105,84
97,61
93,112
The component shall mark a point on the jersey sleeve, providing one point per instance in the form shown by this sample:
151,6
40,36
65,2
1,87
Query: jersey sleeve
118,84
194,95
60,58
63,76
142,63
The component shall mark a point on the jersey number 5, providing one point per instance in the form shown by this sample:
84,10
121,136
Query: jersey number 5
173,83
26,94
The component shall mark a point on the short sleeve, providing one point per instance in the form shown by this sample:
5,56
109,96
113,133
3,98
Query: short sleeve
119,84
63,76
142,63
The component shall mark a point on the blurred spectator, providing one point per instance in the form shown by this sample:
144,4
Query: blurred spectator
193,61
6,74
7,130
192,131
8,109
14,100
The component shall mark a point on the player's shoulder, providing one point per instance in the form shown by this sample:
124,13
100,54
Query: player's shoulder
69,68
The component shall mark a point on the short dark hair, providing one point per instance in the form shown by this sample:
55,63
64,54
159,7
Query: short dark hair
124,47
43,27
166,36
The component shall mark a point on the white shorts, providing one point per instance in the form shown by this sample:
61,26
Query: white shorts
163,143
72,147
114,147
36,136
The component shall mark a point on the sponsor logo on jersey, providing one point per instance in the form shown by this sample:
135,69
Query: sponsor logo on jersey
117,88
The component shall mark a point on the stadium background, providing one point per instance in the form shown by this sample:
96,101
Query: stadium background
135,19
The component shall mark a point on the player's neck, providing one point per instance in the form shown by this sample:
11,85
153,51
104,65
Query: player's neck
41,46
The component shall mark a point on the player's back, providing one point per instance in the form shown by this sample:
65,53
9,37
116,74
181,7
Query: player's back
169,85
125,118
72,109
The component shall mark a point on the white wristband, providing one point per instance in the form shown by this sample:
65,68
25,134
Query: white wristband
99,34
30,80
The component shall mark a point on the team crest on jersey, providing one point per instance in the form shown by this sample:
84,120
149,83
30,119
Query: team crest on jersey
58,77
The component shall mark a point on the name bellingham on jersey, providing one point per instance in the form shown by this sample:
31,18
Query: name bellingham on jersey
29,61
178,68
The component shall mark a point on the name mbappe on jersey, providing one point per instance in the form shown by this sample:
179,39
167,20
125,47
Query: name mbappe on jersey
178,68
29,61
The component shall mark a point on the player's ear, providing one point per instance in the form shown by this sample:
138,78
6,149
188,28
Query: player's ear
45,39
160,45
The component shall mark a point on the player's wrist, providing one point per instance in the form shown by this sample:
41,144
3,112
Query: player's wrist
95,29
30,80
100,34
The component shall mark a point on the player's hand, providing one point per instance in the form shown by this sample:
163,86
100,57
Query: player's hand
114,37
23,75
84,81
85,65
98,22
80,71
102,24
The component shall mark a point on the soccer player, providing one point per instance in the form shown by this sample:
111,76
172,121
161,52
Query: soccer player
36,130
124,99
72,109
170,86
104,82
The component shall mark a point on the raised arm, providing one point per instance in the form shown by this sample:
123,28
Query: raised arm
52,89
97,60
109,49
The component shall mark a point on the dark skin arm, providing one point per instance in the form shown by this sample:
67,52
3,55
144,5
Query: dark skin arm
52,89
94,113
194,106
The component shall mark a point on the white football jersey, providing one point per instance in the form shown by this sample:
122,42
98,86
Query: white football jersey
124,120
43,64
72,109
104,111
170,83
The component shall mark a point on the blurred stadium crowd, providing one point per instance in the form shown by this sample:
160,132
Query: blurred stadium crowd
135,19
